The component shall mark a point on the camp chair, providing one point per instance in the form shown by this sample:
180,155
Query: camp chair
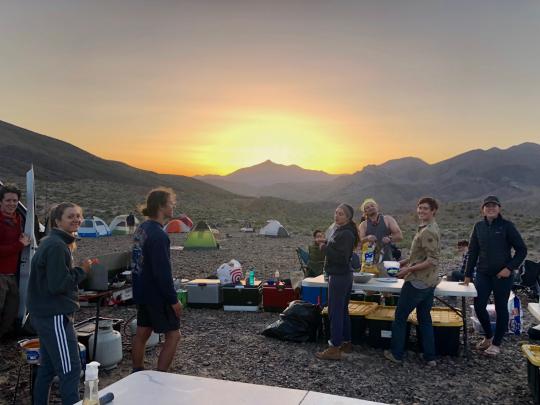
303,258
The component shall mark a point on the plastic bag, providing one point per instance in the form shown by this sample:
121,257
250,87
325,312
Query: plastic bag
230,272
299,322
515,314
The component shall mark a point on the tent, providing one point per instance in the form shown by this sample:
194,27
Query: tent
275,229
201,237
179,225
118,225
247,228
94,227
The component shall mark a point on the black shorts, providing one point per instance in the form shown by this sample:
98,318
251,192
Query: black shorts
160,317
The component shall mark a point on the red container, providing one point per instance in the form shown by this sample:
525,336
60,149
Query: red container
276,299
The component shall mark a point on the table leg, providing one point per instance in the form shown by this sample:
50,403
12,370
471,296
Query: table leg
465,329
98,305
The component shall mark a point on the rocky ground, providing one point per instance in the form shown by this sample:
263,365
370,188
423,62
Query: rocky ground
228,345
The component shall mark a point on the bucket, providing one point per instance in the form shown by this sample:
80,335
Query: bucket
29,350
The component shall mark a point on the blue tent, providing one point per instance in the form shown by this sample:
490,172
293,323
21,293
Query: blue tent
94,227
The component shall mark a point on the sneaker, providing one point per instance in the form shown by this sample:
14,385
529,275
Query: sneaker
346,347
492,350
332,353
484,344
390,356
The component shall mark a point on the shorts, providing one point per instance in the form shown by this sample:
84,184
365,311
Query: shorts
160,317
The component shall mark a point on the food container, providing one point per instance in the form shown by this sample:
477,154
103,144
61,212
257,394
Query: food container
362,278
391,267
29,350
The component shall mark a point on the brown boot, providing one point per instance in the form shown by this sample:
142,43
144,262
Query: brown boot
346,347
332,353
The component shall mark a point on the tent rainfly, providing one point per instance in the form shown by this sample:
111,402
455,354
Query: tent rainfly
201,238
274,229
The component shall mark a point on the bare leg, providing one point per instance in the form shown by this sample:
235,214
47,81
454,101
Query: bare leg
138,346
168,350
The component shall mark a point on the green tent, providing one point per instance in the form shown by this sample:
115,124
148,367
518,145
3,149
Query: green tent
201,237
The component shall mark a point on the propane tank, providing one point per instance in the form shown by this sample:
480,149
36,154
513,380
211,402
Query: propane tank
152,340
109,345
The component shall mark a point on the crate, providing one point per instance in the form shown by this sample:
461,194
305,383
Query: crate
447,325
532,352
277,298
357,312
204,293
239,297
379,323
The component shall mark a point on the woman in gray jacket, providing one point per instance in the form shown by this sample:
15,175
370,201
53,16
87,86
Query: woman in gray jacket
52,302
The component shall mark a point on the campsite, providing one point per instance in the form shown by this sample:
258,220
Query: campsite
229,345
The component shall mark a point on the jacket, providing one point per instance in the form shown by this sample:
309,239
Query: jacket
490,247
339,249
10,247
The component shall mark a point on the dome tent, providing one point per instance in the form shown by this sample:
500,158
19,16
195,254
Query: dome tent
119,226
275,229
201,238
181,224
93,227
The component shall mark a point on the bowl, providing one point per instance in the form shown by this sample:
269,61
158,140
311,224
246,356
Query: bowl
362,278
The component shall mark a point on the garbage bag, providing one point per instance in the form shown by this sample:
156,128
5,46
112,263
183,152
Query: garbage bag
300,322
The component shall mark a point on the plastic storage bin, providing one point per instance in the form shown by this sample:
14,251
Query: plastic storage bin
379,323
357,312
277,298
532,352
447,325
239,297
204,293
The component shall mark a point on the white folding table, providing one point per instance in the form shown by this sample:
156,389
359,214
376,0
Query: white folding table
444,289
154,387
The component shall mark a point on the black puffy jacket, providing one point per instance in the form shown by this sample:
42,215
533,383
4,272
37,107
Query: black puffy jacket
339,250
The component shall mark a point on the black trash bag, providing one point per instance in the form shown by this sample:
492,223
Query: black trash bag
530,273
300,322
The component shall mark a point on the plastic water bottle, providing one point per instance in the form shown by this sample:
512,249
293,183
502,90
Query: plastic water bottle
252,276
276,277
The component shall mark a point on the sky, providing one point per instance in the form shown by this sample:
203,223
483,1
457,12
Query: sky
208,87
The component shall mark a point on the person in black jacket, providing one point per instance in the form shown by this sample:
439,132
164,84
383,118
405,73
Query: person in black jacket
339,249
490,250
52,300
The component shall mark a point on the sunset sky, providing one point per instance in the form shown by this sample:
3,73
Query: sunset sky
199,87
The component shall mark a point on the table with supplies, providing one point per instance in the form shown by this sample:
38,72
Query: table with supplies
146,387
444,289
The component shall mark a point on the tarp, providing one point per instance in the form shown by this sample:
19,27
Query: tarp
201,238
94,227
275,229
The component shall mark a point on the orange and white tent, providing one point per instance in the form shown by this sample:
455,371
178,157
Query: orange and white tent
179,225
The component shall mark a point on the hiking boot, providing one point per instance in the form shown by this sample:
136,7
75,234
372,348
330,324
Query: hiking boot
492,350
390,356
346,347
332,353
484,344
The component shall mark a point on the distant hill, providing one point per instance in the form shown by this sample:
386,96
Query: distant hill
513,174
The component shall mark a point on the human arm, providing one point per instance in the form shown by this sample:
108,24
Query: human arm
15,247
520,249
392,225
161,269
340,250
61,277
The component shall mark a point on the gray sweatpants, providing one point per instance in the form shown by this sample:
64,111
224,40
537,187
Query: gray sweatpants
59,355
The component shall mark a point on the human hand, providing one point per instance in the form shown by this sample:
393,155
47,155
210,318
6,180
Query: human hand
25,239
504,273
86,265
403,272
386,240
466,281
371,238
177,308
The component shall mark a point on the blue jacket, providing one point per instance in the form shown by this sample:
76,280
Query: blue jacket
339,249
151,266
490,247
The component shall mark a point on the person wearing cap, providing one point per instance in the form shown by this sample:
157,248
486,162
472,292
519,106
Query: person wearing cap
339,249
383,230
421,274
490,250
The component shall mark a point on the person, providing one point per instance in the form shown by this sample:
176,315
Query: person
158,308
463,249
339,249
52,301
130,222
420,272
490,250
12,242
383,230
316,255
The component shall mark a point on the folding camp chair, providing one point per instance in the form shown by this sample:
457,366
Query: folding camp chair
303,258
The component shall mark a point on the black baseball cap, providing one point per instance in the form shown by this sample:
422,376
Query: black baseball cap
491,199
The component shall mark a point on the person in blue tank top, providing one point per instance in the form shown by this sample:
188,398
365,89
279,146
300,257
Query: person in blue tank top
158,308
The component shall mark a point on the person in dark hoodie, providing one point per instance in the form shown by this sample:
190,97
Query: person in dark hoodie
158,308
339,249
490,250
52,301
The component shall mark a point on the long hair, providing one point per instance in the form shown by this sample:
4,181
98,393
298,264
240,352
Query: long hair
55,214
156,199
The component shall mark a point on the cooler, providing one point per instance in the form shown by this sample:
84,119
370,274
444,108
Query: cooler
532,352
277,298
239,297
379,323
313,292
357,312
204,293
447,325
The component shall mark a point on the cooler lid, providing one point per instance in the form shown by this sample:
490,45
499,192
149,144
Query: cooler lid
207,281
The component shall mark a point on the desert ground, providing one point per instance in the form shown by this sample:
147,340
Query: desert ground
228,345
